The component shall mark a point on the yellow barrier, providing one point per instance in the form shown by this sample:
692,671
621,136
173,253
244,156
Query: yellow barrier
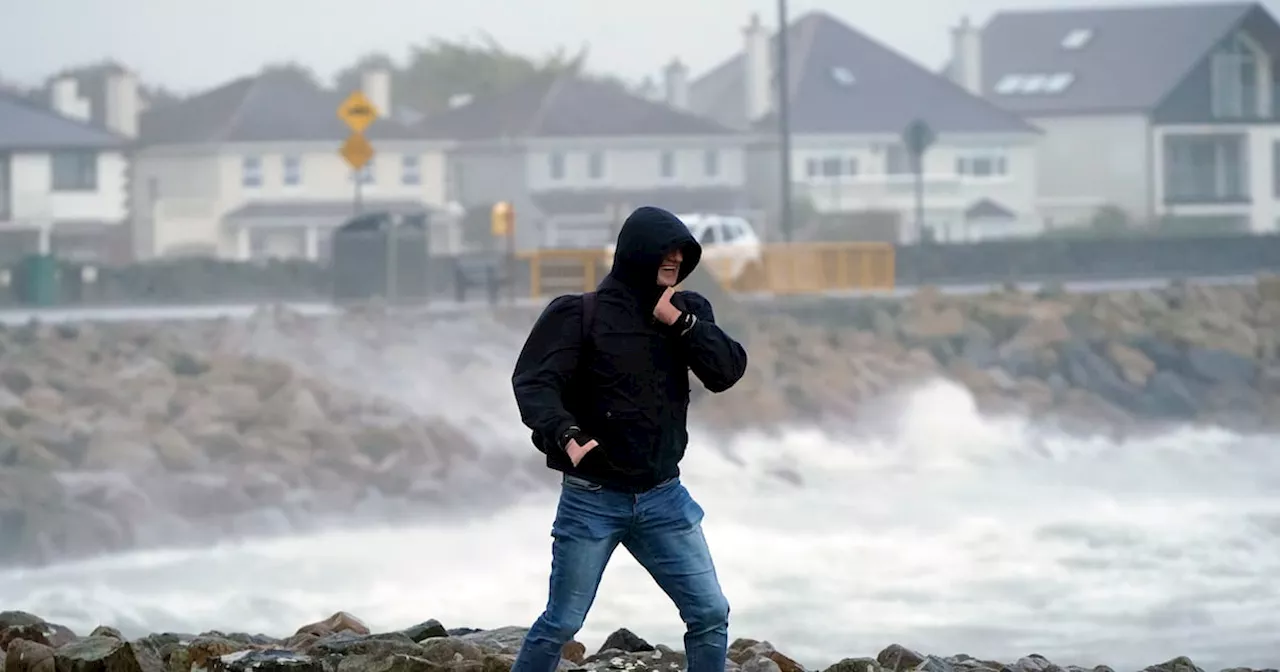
815,268
784,269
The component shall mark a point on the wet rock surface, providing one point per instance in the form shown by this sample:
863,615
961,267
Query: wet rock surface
343,644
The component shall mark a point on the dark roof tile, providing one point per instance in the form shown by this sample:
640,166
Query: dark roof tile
565,107
275,106
844,82
1129,60
27,125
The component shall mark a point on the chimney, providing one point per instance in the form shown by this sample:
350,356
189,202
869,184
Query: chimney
676,81
66,100
759,69
376,85
123,105
966,57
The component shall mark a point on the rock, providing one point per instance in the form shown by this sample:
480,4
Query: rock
426,629
624,640
898,658
101,654
26,656
855,665
444,650
378,646
206,647
264,660
339,622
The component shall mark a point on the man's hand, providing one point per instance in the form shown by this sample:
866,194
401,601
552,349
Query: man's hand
577,451
664,312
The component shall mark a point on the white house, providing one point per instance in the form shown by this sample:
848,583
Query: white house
574,155
850,100
1167,112
63,179
252,169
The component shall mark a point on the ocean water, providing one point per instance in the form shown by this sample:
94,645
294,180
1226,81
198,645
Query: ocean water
948,532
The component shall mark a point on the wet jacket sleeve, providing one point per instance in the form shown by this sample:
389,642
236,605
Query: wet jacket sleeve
714,357
544,367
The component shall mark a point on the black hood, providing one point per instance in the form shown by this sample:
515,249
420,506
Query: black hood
646,237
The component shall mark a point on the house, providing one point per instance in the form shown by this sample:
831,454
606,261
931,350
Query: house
63,182
574,155
1167,112
252,169
850,100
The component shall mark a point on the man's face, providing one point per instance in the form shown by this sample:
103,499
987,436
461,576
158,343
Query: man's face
669,271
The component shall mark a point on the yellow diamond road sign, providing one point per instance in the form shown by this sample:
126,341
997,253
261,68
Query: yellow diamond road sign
357,151
357,112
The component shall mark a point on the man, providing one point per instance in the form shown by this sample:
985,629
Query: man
603,382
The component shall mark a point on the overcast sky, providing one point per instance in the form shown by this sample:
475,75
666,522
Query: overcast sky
194,44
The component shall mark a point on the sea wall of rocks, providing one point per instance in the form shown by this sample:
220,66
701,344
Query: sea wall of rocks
343,643
125,435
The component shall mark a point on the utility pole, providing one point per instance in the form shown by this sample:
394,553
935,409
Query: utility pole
783,77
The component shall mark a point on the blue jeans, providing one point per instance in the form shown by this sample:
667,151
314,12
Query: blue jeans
662,529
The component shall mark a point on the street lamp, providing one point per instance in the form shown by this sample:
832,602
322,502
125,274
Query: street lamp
784,120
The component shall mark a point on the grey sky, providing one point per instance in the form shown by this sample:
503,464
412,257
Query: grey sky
193,44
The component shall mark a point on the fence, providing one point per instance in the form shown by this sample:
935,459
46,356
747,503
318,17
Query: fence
782,269
1037,260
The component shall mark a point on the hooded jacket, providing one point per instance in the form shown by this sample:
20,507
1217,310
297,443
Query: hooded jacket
628,387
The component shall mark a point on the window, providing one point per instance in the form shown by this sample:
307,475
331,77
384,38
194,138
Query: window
1057,83
668,167
1077,38
1205,169
410,170
897,161
595,165
1034,83
711,163
1235,75
292,171
831,167
74,171
555,166
251,172
984,165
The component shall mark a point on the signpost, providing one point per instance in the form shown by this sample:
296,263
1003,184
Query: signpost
357,113
502,224
917,137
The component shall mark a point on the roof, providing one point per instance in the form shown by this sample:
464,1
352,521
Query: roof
1102,60
274,106
27,125
988,209
574,201
844,82
562,107
286,209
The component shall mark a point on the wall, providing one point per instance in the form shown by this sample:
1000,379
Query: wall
176,201
1088,161
947,195
31,178
189,189
635,163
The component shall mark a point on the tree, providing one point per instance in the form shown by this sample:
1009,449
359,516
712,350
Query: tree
439,70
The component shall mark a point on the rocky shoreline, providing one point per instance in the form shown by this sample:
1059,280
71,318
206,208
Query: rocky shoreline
343,643
122,435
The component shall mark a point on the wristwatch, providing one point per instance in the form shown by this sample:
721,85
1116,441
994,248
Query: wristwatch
574,433
684,323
